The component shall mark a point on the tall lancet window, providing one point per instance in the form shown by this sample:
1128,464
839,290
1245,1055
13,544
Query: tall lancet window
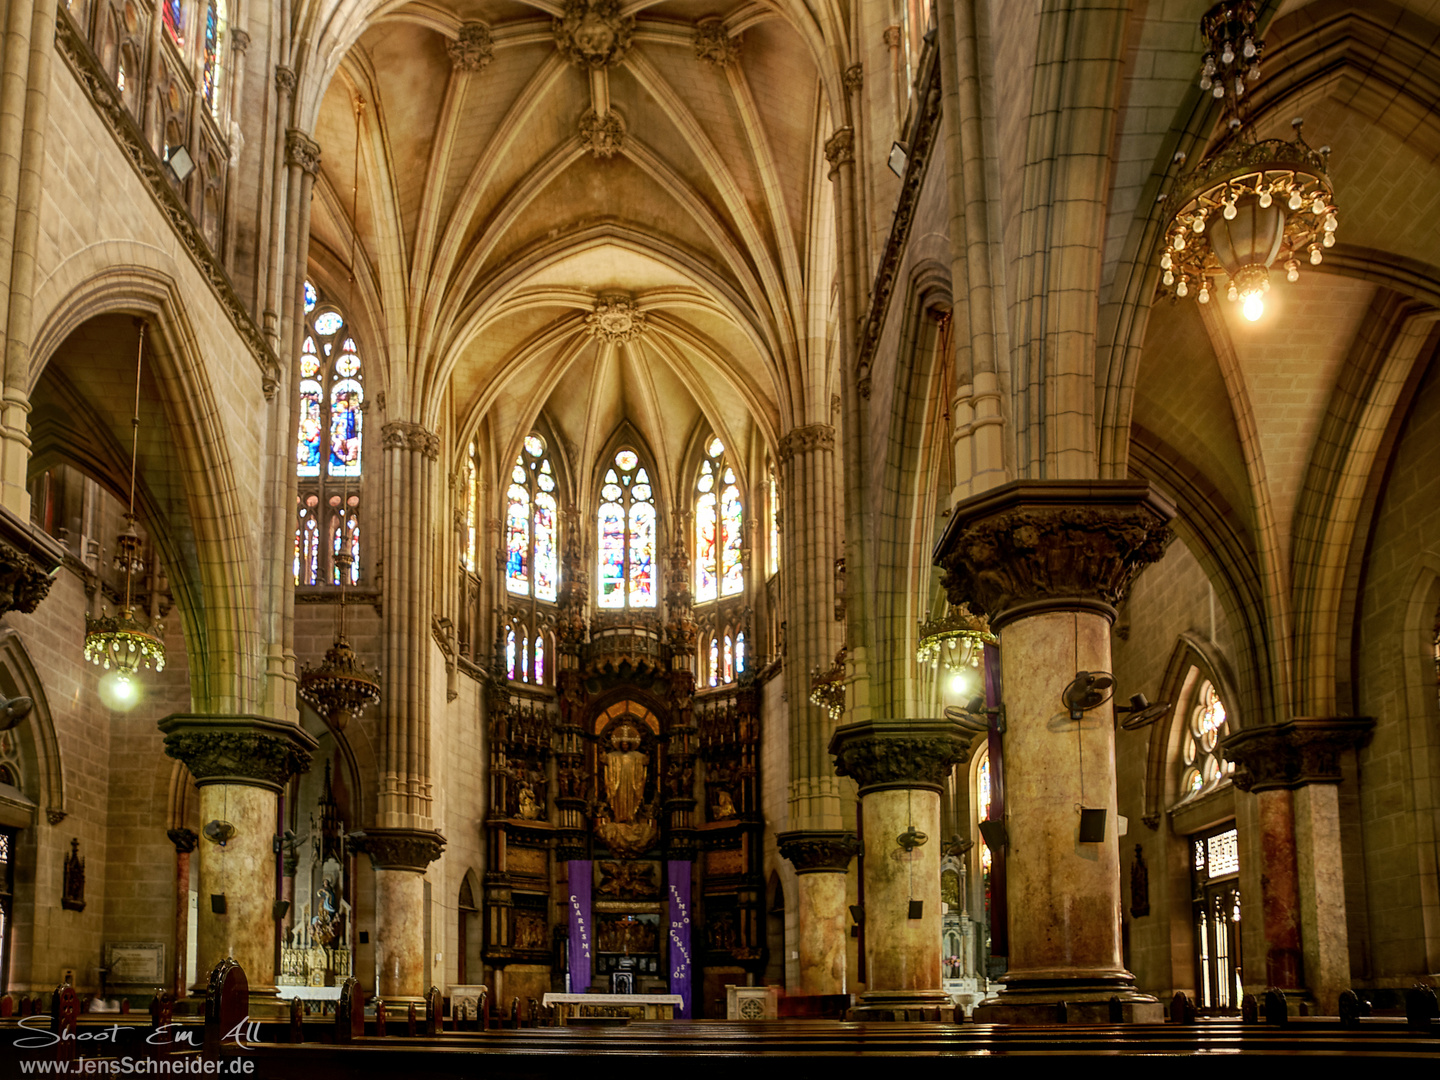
470,507
213,62
329,446
719,527
627,526
532,539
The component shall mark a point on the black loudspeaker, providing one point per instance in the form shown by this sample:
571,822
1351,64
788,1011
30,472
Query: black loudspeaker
917,909
217,903
280,908
1092,826
364,937
995,834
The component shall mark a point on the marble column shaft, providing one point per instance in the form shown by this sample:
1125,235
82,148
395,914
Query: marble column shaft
240,764
400,857
900,766
822,861
1048,561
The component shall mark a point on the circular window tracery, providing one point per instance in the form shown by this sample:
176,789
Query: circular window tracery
1203,769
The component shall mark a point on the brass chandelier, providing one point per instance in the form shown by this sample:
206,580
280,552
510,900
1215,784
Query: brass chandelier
1251,204
953,639
126,641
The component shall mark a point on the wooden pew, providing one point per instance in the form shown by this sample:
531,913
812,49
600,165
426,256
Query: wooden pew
227,1004
64,1013
350,1012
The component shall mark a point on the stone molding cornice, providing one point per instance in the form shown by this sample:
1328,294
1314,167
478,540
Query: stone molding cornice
251,751
303,151
919,150
817,851
473,48
803,439
912,754
405,435
1033,546
70,43
1306,750
399,849
28,562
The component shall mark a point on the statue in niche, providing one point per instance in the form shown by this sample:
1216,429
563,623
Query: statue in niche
325,923
625,769
529,808
724,806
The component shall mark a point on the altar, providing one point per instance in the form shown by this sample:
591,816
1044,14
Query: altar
570,1007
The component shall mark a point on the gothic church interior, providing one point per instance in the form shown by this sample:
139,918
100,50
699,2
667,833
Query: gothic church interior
542,471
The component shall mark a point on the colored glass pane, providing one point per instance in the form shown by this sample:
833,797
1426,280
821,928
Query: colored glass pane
524,659
310,553
309,362
547,564
728,659
472,496
517,540
714,662
540,659
311,298
610,492
642,554
774,524
612,555
350,536
732,570
345,421
627,460
307,443
716,448
174,13
328,322
740,653
349,363
706,583
534,445
518,473
510,653
211,66
545,478
642,491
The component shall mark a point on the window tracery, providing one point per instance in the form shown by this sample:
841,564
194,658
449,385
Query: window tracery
719,527
532,561
470,501
1202,767
329,446
626,523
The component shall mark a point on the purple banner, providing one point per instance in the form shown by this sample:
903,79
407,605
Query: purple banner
580,926
677,873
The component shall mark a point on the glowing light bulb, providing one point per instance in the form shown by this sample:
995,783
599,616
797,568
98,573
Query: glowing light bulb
124,689
1180,242
1249,50
1329,240
1254,306
1169,278
1295,200
1315,256
1292,271
1197,223
957,684
1204,296
1230,211
1331,223
1182,289
1219,90
1165,261
1232,294
1266,198
1318,206
1227,55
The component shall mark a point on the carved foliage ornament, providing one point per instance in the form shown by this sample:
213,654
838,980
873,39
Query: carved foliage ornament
302,150
403,435
23,581
593,33
472,49
1056,546
803,439
898,753
399,849
818,852
615,319
714,45
250,751
604,135
1294,754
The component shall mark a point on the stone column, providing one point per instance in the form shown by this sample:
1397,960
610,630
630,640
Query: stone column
901,766
400,857
1293,770
240,764
184,841
822,865
1048,562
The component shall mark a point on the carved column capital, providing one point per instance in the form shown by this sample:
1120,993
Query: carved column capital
404,435
472,49
883,754
302,150
840,147
252,751
1033,546
239,39
801,439
183,839
284,80
815,851
855,77
28,561
1302,751
399,849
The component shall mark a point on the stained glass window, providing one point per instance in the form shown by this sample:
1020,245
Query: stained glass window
210,73
174,14
510,653
714,662
719,527
740,653
627,523
540,659
728,670
307,544
1202,767
329,443
774,523
532,530
470,542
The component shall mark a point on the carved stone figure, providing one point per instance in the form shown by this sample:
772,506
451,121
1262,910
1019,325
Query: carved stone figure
594,33
625,770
